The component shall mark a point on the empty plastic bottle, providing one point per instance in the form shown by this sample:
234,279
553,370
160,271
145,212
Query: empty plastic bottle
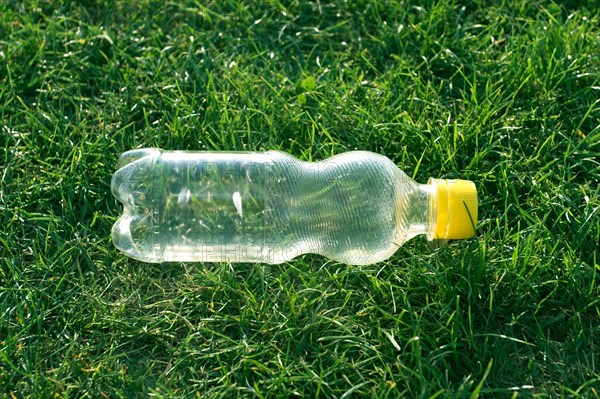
356,207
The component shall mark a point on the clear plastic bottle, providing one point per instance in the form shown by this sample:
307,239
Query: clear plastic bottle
356,207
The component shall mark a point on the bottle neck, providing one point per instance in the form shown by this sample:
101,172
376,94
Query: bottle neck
422,214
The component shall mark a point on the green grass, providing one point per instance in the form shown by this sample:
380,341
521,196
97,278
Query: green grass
505,93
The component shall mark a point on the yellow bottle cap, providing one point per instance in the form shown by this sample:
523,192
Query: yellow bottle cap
456,209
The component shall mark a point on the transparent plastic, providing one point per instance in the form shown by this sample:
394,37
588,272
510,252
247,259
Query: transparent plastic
356,207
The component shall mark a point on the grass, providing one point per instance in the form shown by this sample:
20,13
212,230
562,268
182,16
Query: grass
505,93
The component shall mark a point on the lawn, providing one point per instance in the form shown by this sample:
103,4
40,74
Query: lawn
504,93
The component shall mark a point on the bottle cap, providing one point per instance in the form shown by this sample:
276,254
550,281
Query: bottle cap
456,208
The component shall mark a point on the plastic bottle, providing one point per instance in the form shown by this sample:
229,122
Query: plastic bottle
356,207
